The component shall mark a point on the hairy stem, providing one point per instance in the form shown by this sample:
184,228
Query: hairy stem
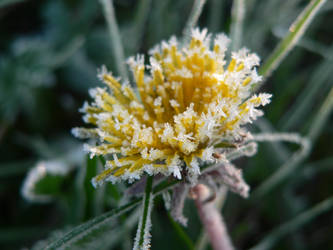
211,218
142,239
219,202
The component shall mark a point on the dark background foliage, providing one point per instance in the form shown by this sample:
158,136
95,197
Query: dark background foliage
49,55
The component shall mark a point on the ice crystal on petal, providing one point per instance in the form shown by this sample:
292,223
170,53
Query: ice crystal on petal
186,100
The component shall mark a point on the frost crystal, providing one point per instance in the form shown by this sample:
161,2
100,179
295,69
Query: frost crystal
190,99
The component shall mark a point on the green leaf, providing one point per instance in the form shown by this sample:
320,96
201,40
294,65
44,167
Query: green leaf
296,114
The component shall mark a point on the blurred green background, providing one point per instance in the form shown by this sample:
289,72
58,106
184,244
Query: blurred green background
49,55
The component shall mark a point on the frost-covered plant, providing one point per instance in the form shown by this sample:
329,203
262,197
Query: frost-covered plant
188,109
190,103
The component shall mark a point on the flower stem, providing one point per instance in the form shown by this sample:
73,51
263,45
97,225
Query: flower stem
211,219
219,202
142,239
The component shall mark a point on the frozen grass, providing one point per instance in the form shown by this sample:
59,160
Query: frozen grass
296,31
115,39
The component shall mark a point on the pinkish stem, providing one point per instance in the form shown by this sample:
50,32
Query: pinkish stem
211,218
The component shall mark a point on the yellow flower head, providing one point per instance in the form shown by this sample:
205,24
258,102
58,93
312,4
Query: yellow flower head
187,100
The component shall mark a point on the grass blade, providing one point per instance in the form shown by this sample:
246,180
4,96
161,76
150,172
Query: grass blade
321,116
109,238
237,18
193,18
319,166
117,48
80,231
294,224
307,43
296,31
304,101
289,166
142,239
137,28
279,151
181,233
79,204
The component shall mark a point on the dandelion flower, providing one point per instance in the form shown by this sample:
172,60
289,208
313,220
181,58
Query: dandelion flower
188,99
